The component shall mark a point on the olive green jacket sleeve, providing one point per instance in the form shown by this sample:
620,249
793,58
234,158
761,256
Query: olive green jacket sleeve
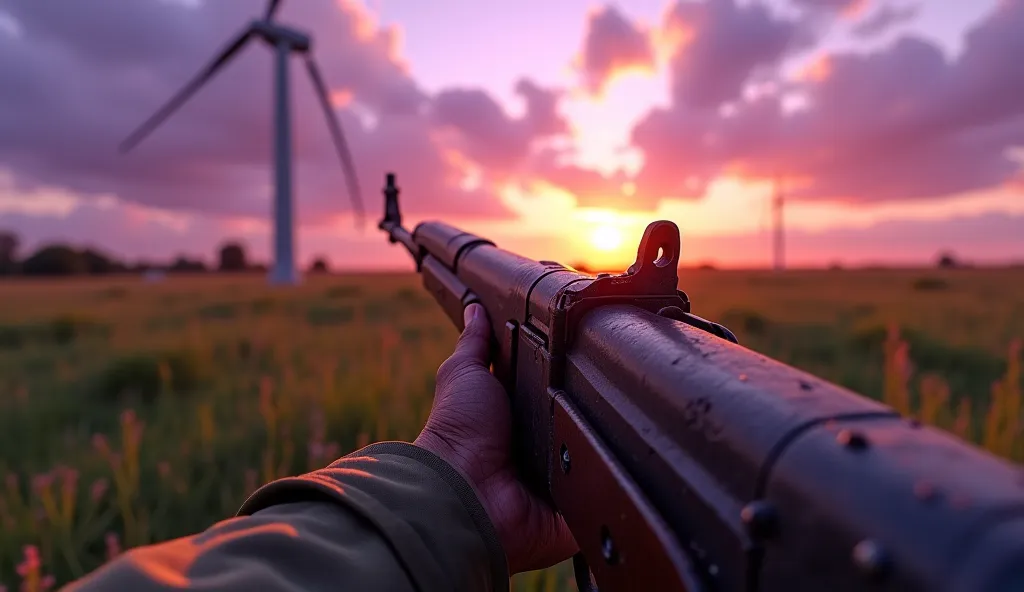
391,516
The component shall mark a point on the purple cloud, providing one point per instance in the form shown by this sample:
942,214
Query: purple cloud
488,135
840,6
721,44
886,17
902,123
591,188
78,78
611,44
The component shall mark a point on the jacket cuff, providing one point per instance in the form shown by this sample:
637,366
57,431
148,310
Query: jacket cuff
466,493
430,515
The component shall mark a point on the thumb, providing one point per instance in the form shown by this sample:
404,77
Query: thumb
472,352
475,342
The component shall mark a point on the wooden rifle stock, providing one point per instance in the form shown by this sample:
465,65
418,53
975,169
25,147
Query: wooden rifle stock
683,461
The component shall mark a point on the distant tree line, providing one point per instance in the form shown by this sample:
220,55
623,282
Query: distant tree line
60,259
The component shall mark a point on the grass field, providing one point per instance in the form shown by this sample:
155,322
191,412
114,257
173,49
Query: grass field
134,412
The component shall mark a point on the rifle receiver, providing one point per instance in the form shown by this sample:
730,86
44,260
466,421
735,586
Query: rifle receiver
683,462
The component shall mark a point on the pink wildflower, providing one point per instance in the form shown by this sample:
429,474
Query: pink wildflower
100,443
113,545
42,481
98,489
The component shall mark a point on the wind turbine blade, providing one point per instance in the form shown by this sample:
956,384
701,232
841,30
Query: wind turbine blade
339,138
272,7
183,95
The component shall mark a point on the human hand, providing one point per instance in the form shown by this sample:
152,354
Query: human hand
470,427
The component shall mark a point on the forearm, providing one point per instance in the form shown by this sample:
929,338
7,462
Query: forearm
389,517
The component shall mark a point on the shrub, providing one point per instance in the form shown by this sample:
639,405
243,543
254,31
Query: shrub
113,293
327,315
319,266
219,311
929,284
147,374
54,260
13,336
746,321
59,330
66,328
232,257
339,292
263,305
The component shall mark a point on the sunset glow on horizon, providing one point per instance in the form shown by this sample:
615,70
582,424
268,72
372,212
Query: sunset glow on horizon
885,121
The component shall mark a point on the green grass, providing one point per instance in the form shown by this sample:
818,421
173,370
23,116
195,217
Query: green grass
131,412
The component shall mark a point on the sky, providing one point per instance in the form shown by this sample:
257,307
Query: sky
894,128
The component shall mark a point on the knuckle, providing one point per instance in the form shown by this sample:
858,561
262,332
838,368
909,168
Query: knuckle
447,370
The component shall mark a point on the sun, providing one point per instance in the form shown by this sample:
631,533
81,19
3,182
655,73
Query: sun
606,238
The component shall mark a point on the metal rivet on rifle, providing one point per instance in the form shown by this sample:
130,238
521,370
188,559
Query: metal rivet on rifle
564,459
608,550
871,558
761,519
852,440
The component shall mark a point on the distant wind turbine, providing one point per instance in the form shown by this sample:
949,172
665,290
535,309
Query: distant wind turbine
778,227
284,40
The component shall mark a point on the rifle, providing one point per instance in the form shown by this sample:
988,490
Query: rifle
683,461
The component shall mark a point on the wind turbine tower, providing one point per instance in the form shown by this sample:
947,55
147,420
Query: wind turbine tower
778,228
284,41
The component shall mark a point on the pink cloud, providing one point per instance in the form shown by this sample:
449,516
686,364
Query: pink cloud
902,123
80,79
720,44
884,18
490,137
612,44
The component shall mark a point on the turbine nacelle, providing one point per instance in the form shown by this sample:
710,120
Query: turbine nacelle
274,34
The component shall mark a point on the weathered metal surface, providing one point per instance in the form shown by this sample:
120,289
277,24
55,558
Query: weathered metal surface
725,405
435,238
451,294
919,497
628,545
545,293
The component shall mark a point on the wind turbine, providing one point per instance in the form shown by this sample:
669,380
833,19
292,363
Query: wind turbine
284,41
778,227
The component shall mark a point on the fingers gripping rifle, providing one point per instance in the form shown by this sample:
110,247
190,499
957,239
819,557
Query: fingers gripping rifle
682,461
